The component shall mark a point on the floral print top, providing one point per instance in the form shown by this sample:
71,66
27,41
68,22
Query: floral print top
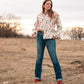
46,24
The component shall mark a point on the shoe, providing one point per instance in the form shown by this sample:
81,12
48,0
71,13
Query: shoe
37,80
59,82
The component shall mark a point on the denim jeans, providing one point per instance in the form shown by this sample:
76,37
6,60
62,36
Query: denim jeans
51,47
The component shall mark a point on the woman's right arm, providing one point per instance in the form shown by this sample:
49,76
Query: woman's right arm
35,27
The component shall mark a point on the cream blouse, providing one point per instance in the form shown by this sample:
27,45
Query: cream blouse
46,24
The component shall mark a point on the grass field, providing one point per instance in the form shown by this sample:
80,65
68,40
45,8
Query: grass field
18,57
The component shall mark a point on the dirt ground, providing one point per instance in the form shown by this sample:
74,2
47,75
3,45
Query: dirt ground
18,57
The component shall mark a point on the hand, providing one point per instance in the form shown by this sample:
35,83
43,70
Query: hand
32,36
54,37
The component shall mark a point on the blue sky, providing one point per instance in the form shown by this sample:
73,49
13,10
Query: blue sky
70,11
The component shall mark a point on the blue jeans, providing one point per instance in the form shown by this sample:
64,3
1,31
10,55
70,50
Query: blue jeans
51,47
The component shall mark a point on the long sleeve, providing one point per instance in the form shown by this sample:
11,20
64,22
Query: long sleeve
59,27
35,27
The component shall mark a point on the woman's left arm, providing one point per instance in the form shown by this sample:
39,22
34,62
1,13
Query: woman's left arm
59,27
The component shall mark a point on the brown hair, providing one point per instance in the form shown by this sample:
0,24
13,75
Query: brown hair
50,12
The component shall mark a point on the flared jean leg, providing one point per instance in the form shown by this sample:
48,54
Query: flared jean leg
51,46
40,53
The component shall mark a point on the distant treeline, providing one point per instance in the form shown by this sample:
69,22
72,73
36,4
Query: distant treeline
10,28
6,30
75,33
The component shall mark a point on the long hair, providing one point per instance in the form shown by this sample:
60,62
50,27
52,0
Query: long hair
50,12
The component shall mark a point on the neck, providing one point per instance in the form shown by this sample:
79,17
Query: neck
46,12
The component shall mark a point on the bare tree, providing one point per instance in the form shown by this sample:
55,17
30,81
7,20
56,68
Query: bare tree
76,33
9,29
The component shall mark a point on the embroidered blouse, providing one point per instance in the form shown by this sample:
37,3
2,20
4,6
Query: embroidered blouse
46,24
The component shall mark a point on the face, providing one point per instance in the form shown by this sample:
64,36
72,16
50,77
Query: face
47,5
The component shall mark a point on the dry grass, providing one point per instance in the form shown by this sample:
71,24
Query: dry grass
18,57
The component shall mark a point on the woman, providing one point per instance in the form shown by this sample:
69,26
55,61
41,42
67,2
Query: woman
46,35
